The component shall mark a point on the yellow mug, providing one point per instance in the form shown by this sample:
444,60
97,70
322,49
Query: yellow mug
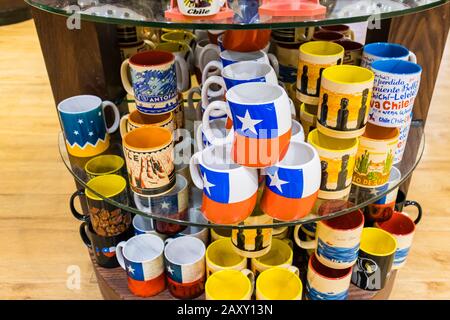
280,255
179,36
221,256
230,285
103,165
279,284
308,117
217,234
136,119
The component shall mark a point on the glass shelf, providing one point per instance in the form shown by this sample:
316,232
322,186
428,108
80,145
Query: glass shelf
150,13
413,153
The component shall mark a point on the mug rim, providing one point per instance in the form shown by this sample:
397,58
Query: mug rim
98,158
109,179
386,234
157,124
138,216
228,55
328,32
404,217
259,67
145,235
345,69
305,46
315,133
146,149
186,238
304,146
370,46
216,274
210,261
389,132
96,102
169,56
379,64
291,255
278,91
310,266
278,270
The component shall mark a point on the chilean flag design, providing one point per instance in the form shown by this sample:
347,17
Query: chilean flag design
146,279
262,131
228,196
188,274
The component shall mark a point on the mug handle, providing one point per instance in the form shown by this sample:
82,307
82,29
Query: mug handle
119,254
124,76
75,213
293,111
84,236
167,241
211,65
191,104
303,244
123,125
412,57
208,47
419,209
294,270
207,131
251,276
198,138
205,88
150,43
195,172
182,74
352,35
114,108
274,63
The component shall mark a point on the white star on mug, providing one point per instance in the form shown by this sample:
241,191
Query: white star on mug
207,184
75,132
170,270
80,121
165,205
130,269
248,123
91,133
275,181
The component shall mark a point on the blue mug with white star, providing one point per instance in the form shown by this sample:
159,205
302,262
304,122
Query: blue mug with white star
83,122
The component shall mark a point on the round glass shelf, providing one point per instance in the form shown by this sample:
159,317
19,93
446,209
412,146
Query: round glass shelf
150,13
413,153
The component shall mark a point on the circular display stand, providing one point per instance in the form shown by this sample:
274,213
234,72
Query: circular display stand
113,286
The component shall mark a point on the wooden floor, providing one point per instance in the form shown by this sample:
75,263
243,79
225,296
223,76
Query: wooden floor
39,238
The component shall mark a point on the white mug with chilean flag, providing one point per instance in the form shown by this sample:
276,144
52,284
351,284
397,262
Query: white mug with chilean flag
261,123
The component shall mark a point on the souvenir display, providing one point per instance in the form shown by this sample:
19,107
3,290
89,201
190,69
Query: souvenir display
314,58
337,161
292,184
279,255
375,156
383,51
396,86
83,122
230,285
103,248
220,255
103,165
135,120
185,267
375,259
107,220
142,258
279,284
344,101
261,123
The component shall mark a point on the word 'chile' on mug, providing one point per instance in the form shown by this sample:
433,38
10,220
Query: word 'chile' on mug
149,156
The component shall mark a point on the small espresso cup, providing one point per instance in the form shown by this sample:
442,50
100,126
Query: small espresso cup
136,119
107,220
279,284
402,227
337,240
103,165
384,50
220,255
83,122
142,258
230,285
149,156
185,267
280,255
292,185
229,190
324,283
375,259
103,248
154,80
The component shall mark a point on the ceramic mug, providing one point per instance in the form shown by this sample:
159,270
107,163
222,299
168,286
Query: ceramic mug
314,58
230,285
344,101
255,242
403,138
384,50
395,89
246,40
402,227
353,51
308,117
280,255
103,248
229,190
212,55
107,220
170,205
375,156
103,165
218,127
292,185
200,8
185,267
142,258
179,36
201,233
218,234
323,35
279,284
297,133
324,283
337,161
83,123
220,255
375,259
136,119
261,123
154,80
401,202
337,239
144,225
149,156
341,28
288,62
